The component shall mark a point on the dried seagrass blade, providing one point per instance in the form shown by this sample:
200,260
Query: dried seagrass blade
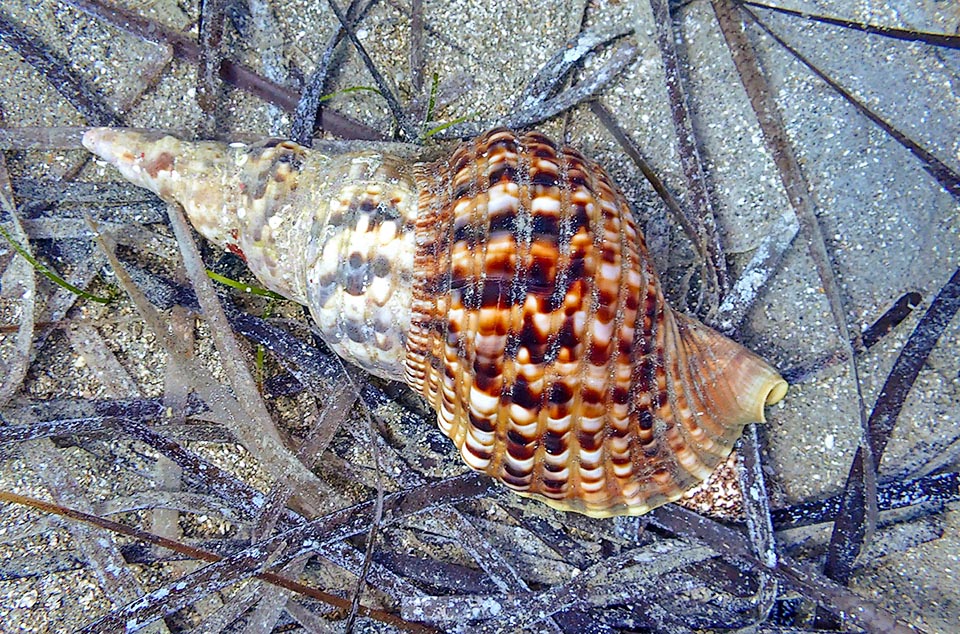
508,284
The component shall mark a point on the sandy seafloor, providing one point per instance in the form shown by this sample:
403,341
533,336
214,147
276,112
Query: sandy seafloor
889,227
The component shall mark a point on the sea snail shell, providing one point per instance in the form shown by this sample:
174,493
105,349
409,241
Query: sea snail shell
509,285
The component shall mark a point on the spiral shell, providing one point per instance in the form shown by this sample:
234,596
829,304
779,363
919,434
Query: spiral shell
509,285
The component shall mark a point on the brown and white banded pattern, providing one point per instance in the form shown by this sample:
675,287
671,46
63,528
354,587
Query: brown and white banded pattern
509,285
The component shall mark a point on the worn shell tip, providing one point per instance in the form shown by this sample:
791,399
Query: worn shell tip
140,156
97,140
115,145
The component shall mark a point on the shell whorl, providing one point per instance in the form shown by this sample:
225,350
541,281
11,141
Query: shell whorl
509,285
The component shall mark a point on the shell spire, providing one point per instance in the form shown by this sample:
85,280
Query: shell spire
331,232
509,285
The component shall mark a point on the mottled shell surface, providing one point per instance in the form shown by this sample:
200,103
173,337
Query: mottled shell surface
509,285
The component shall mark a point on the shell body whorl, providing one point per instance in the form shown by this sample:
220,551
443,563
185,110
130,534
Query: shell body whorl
541,337
509,285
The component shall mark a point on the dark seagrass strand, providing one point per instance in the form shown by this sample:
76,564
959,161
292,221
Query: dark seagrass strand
508,284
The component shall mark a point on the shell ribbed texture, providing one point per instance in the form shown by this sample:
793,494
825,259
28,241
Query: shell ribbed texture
542,339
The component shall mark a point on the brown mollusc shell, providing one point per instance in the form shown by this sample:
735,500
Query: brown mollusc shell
509,285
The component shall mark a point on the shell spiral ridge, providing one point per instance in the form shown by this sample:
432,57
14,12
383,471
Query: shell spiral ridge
541,337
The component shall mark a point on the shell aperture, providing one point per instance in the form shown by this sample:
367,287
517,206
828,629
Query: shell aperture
509,285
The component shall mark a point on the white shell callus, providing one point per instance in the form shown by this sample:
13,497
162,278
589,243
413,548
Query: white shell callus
509,285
